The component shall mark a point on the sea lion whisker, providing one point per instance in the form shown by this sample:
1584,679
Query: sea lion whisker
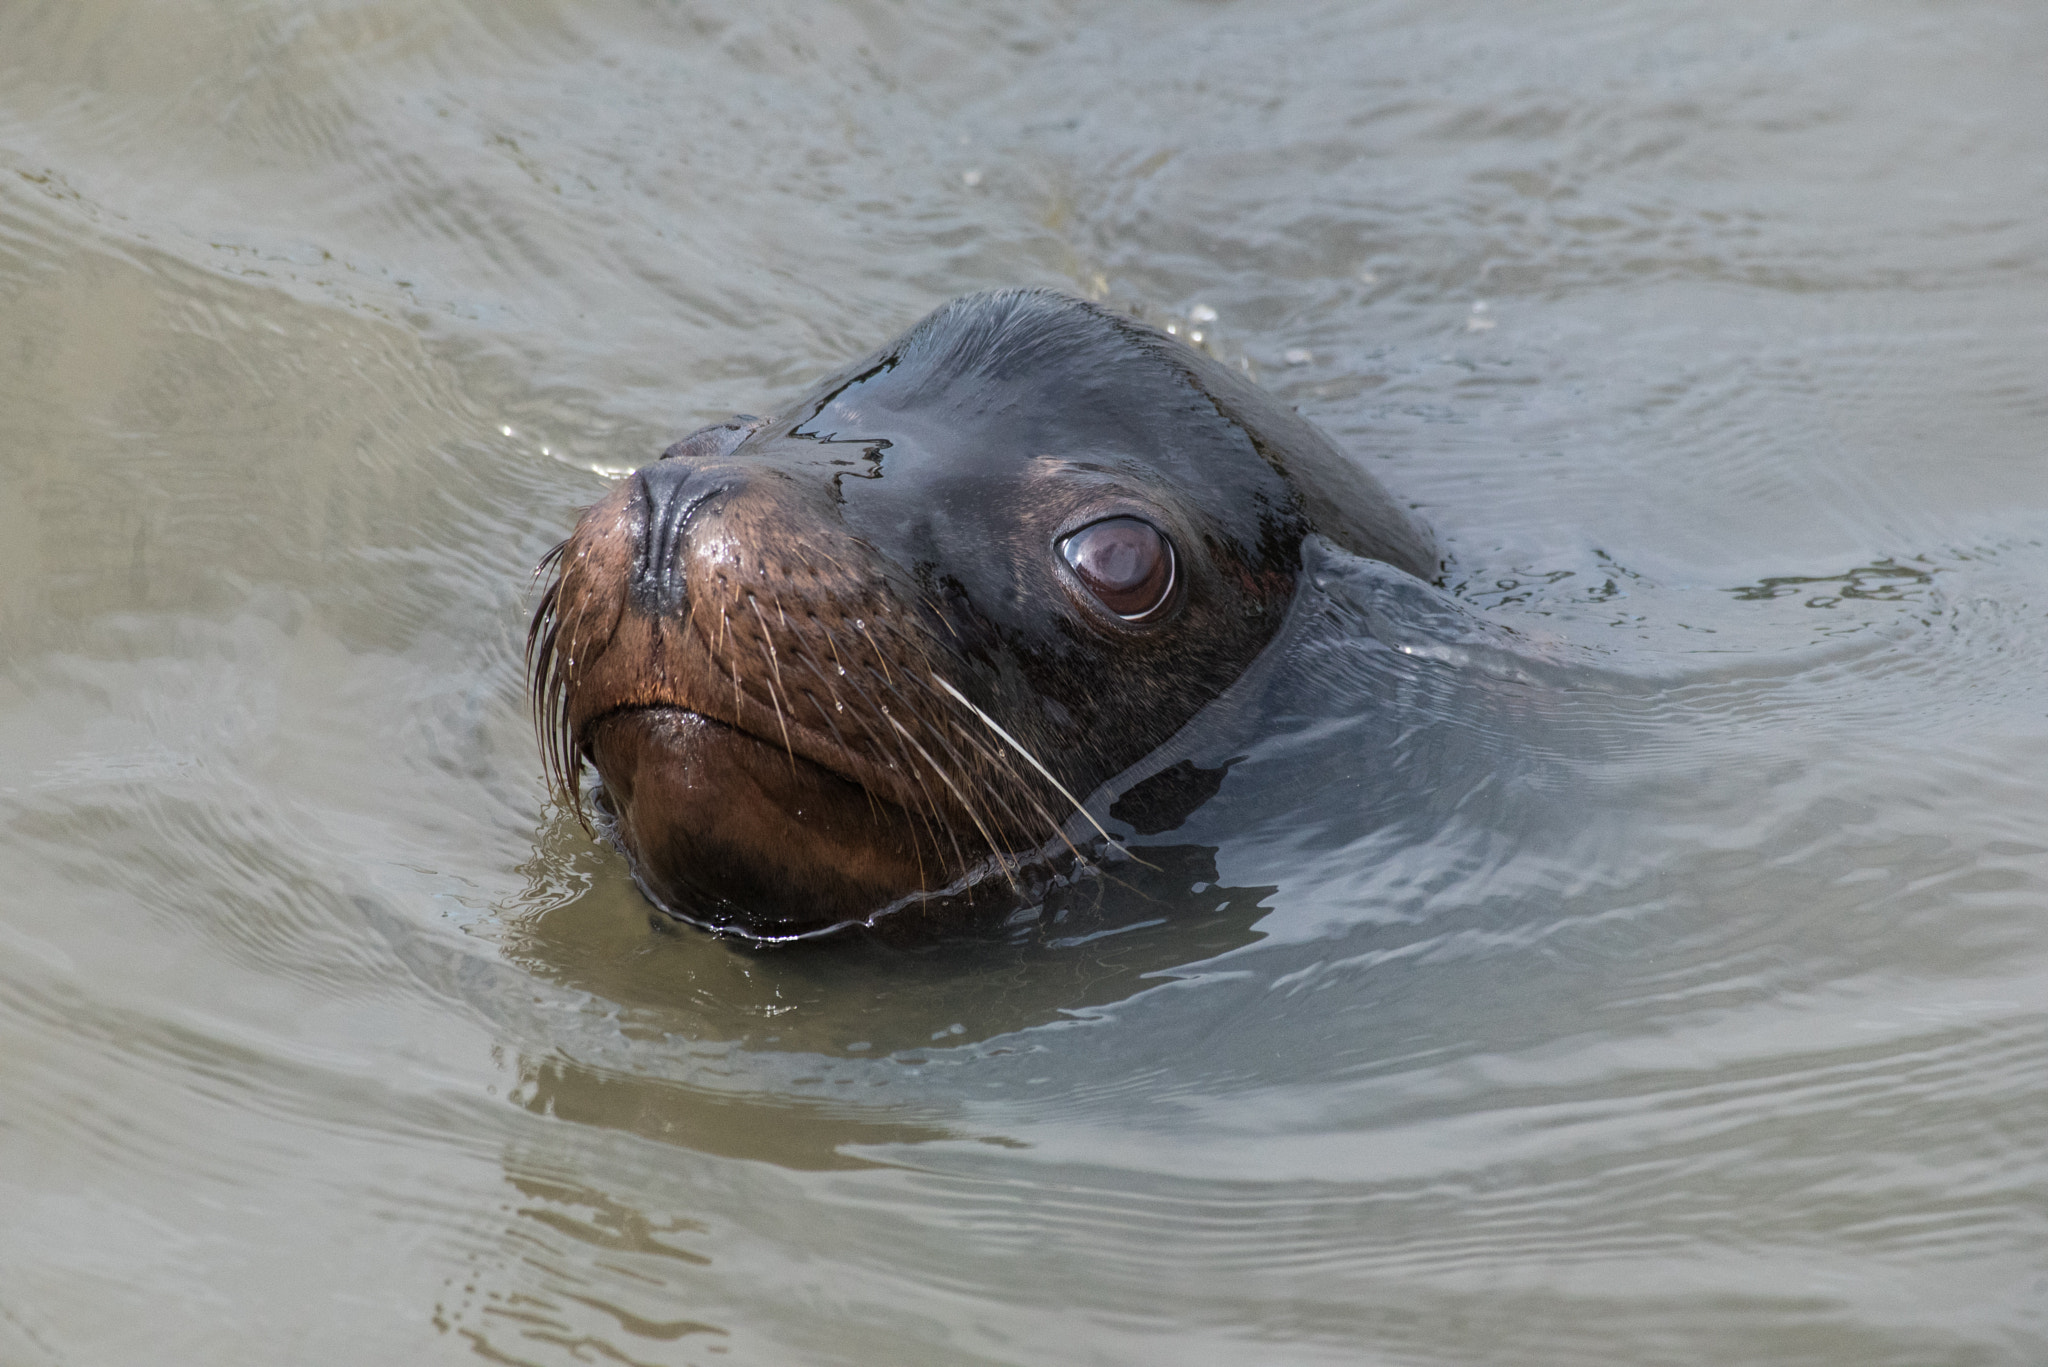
548,716
690,617
550,559
549,681
881,656
994,848
938,736
965,802
851,679
939,613
928,813
571,579
776,692
1032,760
539,654
838,738
540,632
988,790
999,764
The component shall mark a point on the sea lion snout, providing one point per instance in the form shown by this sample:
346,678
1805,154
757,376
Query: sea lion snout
757,689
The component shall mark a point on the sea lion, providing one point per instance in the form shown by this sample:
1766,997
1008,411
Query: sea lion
876,649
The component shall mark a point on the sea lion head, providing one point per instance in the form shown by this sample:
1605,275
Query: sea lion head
879,646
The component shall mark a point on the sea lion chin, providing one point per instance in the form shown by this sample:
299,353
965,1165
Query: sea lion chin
870,653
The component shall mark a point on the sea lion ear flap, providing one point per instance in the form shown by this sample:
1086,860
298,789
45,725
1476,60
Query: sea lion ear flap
719,439
1339,497
1347,505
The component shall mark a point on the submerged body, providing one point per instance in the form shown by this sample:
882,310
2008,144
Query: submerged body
873,650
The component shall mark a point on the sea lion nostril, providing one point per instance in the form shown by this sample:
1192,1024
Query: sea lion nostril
665,499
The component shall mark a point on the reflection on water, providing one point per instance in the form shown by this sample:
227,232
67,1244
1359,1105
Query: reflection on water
1089,944
1631,951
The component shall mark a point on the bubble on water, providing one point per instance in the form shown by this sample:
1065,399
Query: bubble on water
1297,355
971,178
1201,313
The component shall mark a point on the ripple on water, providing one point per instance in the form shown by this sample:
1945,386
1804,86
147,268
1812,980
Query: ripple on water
1632,957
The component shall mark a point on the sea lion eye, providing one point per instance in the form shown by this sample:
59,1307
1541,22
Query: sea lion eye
1125,563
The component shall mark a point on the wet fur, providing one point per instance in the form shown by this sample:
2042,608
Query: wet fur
906,634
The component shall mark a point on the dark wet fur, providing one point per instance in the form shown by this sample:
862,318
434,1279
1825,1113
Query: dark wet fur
873,574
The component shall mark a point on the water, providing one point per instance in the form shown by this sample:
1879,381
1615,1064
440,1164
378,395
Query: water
1645,964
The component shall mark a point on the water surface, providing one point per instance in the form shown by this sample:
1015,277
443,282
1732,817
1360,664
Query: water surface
1633,952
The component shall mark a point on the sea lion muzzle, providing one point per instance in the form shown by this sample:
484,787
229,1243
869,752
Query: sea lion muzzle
874,649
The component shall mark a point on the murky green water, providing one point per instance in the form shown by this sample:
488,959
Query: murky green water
1685,1003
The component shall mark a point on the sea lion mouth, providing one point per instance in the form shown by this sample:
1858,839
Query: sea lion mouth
692,721
685,732
728,825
